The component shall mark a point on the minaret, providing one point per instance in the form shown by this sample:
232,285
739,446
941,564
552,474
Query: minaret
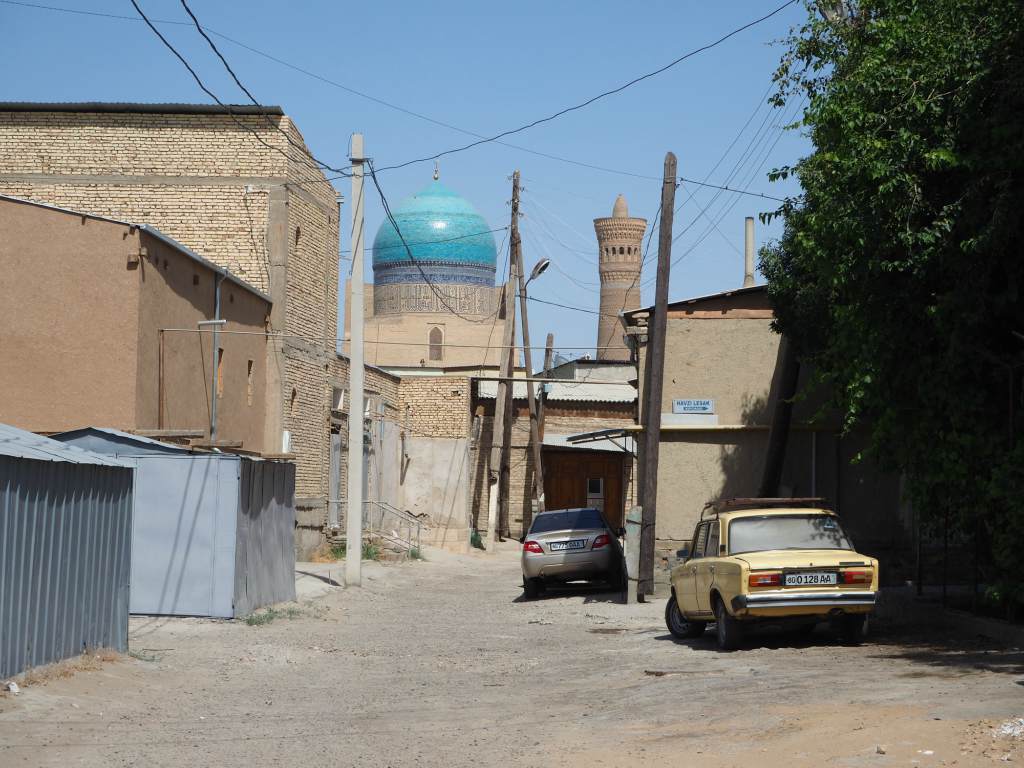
619,241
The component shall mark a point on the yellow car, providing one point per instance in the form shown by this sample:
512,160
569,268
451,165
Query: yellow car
770,560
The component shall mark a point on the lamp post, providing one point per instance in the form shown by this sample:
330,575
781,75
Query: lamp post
538,467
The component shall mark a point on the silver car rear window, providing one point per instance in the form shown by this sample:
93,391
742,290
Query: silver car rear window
567,520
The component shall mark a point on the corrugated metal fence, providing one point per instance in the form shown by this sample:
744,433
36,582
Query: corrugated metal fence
65,540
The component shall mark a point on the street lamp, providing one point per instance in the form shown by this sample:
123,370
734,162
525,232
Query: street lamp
538,269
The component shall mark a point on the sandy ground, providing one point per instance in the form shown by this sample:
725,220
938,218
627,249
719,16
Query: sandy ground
441,664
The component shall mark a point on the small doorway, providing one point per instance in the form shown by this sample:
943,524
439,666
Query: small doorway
582,478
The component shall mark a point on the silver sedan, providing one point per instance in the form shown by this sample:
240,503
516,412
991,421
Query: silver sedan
569,545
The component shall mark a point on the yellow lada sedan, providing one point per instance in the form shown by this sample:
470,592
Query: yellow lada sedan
770,560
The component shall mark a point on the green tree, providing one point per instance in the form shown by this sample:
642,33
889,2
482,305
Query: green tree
900,268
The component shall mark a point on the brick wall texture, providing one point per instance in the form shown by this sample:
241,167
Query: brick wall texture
206,181
437,406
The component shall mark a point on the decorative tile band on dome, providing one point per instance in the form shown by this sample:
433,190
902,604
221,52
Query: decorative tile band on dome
438,227
436,272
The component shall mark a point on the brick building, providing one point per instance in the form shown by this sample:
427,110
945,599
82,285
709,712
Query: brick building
236,187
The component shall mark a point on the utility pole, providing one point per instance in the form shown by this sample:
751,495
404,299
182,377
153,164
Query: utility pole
354,513
517,256
549,350
654,371
501,424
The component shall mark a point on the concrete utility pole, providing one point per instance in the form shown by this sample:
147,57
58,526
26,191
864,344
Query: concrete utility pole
501,425
748,252
354,511
654,370
517,256
549,352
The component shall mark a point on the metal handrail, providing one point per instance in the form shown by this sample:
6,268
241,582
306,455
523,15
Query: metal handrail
412,525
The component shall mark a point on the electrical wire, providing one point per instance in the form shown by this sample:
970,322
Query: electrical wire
591,100
212,95
446,240
413,259
343,172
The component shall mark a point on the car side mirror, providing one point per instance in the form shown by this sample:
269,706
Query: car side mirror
683,554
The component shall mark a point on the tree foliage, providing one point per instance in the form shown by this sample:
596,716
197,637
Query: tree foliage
900,269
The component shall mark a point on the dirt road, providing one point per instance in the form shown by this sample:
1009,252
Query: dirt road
439,664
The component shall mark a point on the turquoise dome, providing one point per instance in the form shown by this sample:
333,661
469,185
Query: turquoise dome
449,241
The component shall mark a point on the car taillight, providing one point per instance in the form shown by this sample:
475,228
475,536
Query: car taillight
533,546
601,541
855,577
765,579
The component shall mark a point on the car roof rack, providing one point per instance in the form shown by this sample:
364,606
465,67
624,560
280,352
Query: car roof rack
731,505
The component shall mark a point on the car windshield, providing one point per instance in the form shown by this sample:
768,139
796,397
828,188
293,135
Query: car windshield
566,520
814,531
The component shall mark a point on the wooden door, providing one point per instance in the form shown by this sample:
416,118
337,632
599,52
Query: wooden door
566,473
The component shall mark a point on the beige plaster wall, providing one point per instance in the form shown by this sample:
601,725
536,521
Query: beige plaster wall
70,318
207,182
177,292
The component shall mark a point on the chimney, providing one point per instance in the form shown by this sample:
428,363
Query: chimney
748,254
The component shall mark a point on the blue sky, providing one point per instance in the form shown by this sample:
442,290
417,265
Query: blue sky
483,67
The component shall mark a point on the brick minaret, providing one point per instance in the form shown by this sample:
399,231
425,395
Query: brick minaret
619,240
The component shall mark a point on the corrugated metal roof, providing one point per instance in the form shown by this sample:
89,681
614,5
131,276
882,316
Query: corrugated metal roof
27,445
127,436
697,299
151,230
581,391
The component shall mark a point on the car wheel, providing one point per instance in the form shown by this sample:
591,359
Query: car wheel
531,588
678,624
852,628
727,627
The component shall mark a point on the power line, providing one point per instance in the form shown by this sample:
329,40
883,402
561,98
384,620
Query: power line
212,95
314,337
248,93
592,99
413,259
568,306
446,240
328,81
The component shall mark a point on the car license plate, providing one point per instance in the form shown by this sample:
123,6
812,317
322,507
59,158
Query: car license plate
810,579
562,546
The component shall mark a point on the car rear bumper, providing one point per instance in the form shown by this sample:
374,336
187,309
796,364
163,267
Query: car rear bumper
564,566
806,602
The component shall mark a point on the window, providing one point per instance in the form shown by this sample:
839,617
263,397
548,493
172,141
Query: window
436,340
700,539
622,251
567,520
712,548
220,372
811,531
249,389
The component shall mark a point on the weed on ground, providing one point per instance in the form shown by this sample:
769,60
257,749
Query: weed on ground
266,616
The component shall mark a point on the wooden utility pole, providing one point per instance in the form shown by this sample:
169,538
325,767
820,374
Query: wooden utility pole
501,429
531,400
654,370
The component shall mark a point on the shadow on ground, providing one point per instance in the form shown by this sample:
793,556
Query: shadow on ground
591,593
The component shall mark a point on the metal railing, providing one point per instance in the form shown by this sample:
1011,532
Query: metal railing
382,521
400,528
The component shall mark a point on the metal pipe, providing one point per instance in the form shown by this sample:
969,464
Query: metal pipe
217,322
160,383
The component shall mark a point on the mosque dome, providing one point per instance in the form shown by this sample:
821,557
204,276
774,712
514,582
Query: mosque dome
448,239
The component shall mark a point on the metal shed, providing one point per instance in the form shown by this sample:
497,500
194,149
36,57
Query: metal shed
65,548
213,532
